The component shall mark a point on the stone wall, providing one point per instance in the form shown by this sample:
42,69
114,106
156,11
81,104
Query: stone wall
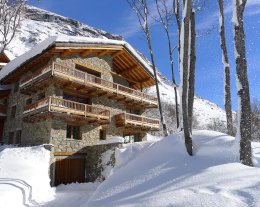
32,133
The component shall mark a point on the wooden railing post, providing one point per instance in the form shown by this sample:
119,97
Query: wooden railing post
85,108
49,102
52,68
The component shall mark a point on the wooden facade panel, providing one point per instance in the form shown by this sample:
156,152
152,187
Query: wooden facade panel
69,170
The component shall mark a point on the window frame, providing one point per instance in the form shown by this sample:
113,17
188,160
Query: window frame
13,111
18,132
73,132
102,134
11,138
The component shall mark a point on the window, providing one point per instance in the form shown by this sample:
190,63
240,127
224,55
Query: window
28,101
102,134
41,96
16,87
18,137
13,111
11,138
73,132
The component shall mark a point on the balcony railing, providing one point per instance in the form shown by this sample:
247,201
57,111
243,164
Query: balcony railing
53,104
126,119
61,71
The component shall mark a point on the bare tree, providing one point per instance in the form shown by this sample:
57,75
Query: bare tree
165,16
10,18
176,12
226,68
255,107
244,109
142,12
192,69
185,49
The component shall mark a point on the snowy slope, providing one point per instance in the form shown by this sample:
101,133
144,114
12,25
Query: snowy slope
39,24
163,174
24,177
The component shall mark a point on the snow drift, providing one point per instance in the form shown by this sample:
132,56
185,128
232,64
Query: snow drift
24,177
163,174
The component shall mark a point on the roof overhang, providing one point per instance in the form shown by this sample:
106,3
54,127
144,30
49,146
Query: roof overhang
127,62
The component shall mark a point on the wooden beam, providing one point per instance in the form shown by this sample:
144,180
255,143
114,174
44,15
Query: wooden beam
128,70
117,53
103,52
85,53
65,53
141,82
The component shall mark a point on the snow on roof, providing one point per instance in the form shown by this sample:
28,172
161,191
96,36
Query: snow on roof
38,49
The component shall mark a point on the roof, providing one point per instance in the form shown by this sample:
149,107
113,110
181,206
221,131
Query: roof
71,40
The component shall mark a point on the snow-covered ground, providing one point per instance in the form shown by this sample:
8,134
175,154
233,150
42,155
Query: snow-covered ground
24,178
163,174
152,173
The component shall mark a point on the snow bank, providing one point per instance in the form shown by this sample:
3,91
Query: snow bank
72,194
163,174
24,178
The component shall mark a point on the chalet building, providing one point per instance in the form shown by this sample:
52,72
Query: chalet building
77,94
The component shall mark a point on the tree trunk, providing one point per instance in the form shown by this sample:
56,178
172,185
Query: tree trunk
244,110
165,132
192,69
185,31
226,69
173,80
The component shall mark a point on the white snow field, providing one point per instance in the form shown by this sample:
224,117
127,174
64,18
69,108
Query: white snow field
153,173
24,178
163,174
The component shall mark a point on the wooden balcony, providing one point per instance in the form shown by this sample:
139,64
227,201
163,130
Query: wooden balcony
84,83
136,123
66,110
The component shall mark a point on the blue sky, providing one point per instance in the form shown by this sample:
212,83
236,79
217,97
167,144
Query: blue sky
116,16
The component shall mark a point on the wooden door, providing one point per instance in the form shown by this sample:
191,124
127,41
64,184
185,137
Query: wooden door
69,170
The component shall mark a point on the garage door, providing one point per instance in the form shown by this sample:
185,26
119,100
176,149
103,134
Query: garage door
69,170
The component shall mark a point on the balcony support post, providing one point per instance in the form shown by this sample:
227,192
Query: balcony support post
49,103
85,77
52,68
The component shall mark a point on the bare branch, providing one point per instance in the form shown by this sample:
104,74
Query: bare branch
10,18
